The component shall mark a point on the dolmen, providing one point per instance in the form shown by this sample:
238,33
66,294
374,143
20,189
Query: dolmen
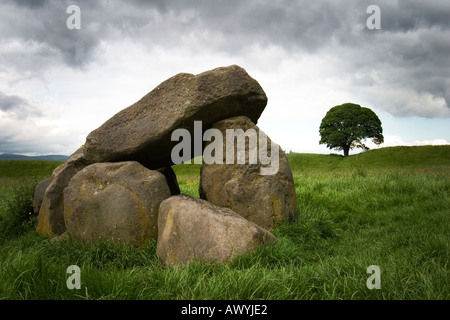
120,185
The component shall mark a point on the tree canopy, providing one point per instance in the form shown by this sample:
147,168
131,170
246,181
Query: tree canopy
344,127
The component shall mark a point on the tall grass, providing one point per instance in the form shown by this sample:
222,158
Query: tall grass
18,180
16,209
350,217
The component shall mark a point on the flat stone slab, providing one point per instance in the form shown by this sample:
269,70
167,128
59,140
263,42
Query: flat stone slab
142,132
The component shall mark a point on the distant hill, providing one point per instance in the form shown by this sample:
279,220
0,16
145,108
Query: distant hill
12,156
388,157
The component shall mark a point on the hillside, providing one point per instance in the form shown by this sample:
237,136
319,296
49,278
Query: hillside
391,217
383,158
27,168
388,158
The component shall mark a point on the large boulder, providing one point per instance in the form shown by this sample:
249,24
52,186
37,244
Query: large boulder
39,192
142,132
115,201
262,192
48,200
191,229
51,212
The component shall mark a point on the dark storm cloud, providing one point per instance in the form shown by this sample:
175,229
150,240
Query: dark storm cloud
29,3
295,25
300,25
411,15
409,52
17,107
43,23
291,24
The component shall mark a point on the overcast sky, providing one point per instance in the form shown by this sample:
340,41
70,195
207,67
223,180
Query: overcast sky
59,84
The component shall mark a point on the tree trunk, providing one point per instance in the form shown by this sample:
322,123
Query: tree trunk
346,150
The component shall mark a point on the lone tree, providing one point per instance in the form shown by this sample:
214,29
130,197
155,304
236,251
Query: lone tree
344,127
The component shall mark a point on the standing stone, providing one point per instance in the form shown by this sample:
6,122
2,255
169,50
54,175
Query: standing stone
142,132
267,200
51,214
191,229
115,201
39,192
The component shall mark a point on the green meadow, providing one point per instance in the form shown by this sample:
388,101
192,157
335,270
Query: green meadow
388,207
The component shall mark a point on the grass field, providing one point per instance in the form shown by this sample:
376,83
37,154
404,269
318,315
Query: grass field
388,207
